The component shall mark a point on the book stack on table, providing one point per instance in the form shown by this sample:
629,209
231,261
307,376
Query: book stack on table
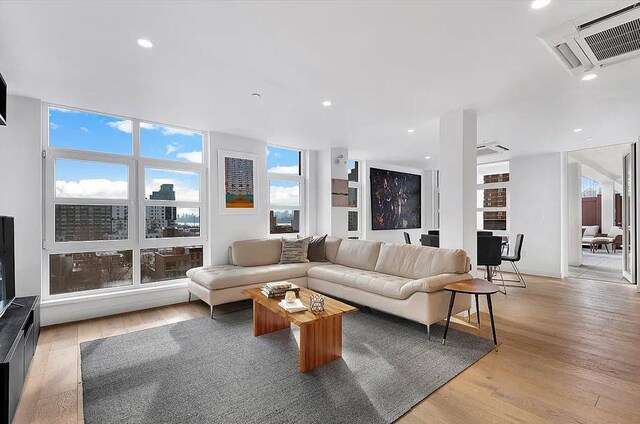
278,289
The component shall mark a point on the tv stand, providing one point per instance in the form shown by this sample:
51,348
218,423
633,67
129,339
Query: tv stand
19,333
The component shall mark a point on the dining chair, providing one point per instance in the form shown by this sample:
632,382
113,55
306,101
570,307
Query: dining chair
514,259
490,256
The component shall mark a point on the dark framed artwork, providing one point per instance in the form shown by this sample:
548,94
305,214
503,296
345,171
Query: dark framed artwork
396,199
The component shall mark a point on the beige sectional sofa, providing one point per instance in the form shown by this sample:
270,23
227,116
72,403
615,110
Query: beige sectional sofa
399,279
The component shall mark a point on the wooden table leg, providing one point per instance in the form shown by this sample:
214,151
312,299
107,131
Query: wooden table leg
493,324
320,342
478,310
446,329
266,321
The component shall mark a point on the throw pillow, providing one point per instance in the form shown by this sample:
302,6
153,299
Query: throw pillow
294,250
317,251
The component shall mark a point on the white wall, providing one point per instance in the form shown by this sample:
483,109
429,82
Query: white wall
395,236
574,213
226,228
21,187
536,184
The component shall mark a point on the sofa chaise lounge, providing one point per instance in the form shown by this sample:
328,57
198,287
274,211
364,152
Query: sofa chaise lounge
403,280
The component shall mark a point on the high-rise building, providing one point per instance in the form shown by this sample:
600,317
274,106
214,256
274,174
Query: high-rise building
239,176
161,218
90,222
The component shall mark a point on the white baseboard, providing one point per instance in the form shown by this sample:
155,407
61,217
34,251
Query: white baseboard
77,309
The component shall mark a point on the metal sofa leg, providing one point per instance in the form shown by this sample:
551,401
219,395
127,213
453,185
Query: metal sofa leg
428,332
212,317
189,301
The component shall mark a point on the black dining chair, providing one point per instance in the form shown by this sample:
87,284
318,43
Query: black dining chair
433,232
407,238
430,240
490,256
513,259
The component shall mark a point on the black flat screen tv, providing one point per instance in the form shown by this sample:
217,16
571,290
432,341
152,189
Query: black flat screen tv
7,264
3,101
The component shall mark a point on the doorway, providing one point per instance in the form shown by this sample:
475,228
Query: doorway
601,213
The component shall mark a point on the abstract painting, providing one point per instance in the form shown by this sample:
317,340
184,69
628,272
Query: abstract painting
395,200
238,179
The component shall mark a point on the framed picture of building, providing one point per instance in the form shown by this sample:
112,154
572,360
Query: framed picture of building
238,182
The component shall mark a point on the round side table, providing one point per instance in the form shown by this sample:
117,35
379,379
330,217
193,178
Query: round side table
475,287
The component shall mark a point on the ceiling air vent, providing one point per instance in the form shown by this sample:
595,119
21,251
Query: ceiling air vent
490,149
598,40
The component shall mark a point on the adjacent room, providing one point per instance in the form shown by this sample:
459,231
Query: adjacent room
319,211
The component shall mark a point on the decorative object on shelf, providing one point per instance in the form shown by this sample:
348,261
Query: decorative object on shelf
339,193
316,303
238,179
395,200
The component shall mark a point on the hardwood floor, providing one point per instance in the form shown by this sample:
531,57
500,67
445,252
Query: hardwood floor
570,352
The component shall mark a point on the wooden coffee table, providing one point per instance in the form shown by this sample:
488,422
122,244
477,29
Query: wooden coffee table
320,333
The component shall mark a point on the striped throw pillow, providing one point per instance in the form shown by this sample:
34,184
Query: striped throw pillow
294,250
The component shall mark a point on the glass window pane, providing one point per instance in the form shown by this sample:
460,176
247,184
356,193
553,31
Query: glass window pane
353,197
492,198
181,186
91,222
493,221
493,173
91,180
353,166
284,193
283,161
353,221
74,129
168,263
75,272
169,221
284,221
169,143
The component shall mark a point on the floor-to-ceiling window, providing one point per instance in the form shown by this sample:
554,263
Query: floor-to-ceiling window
286,190
124,202
492,197
354,212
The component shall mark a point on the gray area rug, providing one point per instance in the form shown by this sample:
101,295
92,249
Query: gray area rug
215,371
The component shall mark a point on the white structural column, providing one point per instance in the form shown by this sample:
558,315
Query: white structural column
331,165
607,205
458,168
574,213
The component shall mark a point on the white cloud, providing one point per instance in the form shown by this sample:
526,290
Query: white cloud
53,125
124,126
174,131
84,129
59,109
92,188
183,194
147,126
191,156
171,147
286,196
293,169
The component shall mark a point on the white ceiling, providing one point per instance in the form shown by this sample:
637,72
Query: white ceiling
606,161
386,65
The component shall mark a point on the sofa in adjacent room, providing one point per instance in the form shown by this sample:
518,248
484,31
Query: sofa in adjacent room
403,280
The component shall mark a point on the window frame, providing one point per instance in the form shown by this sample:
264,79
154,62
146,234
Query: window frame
301,180
135,202
358,186
507,209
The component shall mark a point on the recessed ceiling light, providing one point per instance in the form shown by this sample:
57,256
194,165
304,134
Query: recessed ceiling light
326,103
539,4
588,140
256,95
411,130
590,76
427,157
578,130
144,43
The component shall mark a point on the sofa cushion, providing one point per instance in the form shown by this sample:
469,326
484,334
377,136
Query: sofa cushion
590,230
225,276
371,281
361,254
317,251
420,261
256,252
331,246
294,251
614,232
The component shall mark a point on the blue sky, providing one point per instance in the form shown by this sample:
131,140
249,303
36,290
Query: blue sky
282,161
101,133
